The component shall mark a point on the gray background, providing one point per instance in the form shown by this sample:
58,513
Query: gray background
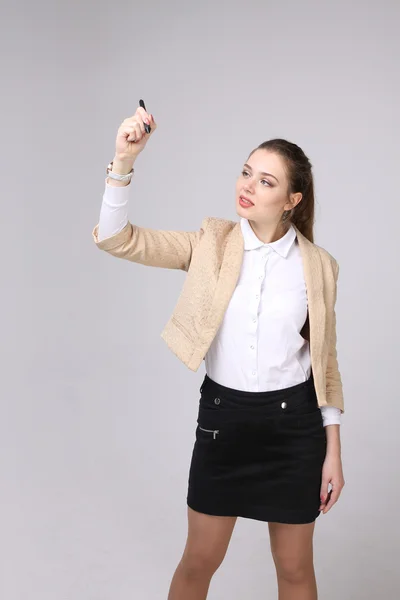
98,416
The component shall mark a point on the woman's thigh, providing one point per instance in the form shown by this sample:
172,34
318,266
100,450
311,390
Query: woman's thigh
208,540
291,546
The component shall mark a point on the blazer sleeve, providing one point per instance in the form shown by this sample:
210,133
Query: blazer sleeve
334,388
152,247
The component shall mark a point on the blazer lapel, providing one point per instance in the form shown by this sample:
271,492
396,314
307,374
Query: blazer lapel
227,279
313,276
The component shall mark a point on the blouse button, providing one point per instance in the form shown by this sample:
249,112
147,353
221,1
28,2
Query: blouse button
217,400
283,405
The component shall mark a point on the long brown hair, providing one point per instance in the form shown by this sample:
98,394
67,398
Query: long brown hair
299,172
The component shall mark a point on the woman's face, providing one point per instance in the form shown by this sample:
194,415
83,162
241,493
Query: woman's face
264,182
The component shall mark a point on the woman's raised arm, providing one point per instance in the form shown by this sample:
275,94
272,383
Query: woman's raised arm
114,233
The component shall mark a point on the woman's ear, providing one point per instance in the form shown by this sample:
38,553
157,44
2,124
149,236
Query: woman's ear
293,201
296,198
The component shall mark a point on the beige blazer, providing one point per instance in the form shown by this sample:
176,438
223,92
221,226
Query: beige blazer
212,257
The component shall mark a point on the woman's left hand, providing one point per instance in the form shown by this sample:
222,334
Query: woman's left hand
331,473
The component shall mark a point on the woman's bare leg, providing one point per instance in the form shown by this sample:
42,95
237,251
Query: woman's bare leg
206,546
292,551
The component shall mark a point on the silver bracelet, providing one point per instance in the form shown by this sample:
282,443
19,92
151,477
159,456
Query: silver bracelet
117,176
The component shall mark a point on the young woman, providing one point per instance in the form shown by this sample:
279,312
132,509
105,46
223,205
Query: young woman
258,305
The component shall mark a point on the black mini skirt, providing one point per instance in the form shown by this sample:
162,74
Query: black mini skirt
258,455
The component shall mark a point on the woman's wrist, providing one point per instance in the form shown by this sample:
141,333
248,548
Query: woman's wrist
122,167
333,440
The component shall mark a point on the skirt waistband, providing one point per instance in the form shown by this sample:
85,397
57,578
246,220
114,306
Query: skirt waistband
300,397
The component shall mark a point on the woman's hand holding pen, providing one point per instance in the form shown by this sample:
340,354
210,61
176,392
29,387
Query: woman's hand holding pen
132,138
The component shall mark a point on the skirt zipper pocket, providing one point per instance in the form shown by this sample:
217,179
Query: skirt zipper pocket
213,431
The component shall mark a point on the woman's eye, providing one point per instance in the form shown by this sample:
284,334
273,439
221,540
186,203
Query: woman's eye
263,181
266,181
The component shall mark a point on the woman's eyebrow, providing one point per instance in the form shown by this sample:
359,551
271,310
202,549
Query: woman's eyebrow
262,172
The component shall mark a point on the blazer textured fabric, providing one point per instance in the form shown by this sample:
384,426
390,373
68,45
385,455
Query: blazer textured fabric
212,257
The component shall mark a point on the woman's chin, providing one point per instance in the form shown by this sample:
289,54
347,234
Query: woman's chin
242,212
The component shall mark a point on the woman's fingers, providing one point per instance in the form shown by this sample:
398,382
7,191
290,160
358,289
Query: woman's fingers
143,114
136,132
333,496
132,136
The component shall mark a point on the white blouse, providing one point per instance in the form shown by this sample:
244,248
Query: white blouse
258,346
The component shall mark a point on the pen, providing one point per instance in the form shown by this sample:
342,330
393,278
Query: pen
146,127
